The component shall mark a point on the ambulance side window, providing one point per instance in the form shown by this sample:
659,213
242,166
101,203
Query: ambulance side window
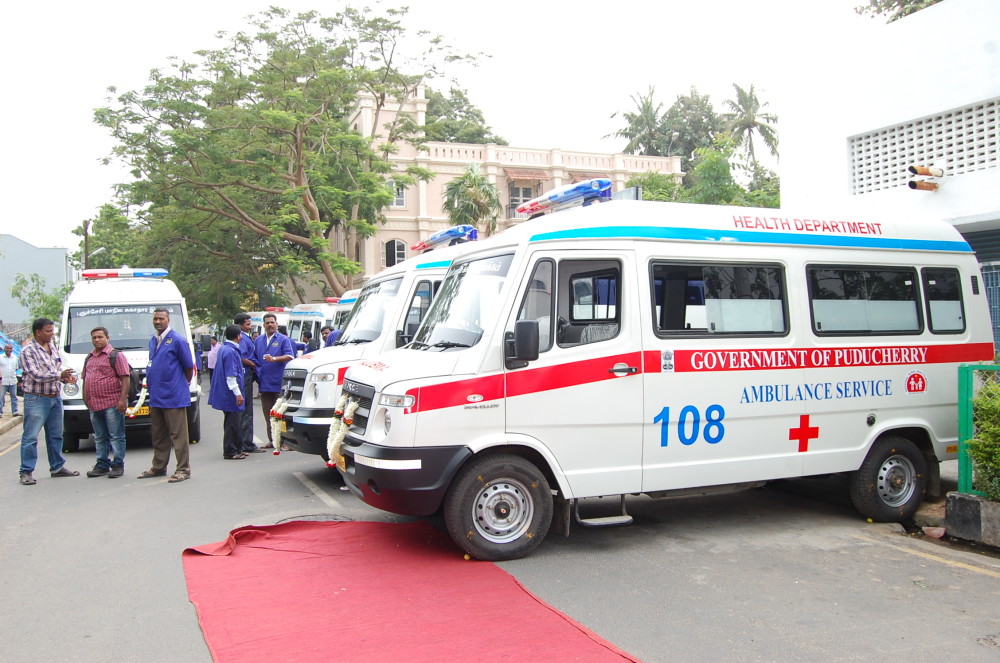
863,300
588,303
419,304
537,303
695,299
945,313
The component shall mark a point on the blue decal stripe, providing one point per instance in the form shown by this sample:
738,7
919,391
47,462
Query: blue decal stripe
432,265
752,237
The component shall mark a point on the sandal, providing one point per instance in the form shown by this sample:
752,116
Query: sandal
235,457
176,478
64,472
149,474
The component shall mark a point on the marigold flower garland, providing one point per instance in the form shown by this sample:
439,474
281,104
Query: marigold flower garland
276,412
132,411
343,418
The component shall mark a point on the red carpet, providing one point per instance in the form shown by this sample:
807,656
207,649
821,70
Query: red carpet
360,591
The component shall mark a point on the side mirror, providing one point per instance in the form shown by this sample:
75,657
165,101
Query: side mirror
522,344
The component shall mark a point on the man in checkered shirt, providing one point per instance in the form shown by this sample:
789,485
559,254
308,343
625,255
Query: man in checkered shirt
105,391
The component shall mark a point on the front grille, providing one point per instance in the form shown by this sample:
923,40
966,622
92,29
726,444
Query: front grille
363,394
293,384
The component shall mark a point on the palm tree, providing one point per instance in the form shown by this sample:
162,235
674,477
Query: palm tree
748,118
471,198
645,130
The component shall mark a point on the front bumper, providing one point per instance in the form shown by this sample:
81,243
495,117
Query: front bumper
76,419
306,430
408,481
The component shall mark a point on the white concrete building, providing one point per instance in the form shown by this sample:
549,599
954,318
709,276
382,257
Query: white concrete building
923,90
20,257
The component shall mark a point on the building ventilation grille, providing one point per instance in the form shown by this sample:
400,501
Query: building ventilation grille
964,140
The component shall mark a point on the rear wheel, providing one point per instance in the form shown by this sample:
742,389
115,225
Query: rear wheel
499,507
194,422
71,442
890,485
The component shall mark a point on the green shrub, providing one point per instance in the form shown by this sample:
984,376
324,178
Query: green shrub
984,450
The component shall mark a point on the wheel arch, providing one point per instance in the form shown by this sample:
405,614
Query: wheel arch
531,450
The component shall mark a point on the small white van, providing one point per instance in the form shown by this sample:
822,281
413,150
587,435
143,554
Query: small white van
122,301
642,347
384,314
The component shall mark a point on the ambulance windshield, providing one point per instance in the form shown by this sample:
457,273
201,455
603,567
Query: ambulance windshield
468,303
367,318
130,326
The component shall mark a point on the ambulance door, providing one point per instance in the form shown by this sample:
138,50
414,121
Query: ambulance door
582,398
724,381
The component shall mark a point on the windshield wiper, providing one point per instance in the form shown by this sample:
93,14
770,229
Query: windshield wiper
450,344
129,347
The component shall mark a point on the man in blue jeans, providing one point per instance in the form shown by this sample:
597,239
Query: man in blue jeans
105,391
43,379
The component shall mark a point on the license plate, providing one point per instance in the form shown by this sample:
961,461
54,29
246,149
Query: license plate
143,411
284,426
341,462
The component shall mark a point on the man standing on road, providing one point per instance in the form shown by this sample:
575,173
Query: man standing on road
43,377
168,379
225,393
106,379
273,351
8,380
242,320
212,354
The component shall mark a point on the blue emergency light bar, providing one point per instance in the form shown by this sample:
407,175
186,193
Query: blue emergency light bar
464,233
125,273
597,189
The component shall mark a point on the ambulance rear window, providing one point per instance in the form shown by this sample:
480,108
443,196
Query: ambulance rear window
943,292
864,300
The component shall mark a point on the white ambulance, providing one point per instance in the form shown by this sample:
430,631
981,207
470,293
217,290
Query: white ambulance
122,301
281,314
388,310
643,347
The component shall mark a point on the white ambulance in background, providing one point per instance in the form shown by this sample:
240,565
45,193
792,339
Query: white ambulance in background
388,311
122,301
281,314
644,347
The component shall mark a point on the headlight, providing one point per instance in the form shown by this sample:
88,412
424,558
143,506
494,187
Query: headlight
322,377
396,400
71,389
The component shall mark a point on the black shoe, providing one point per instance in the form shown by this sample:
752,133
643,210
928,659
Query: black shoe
98,471
116,471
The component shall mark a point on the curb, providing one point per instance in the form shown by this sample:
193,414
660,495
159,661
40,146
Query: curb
9,422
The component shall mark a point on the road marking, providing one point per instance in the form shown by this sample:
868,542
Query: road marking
11,448
935,558
317,491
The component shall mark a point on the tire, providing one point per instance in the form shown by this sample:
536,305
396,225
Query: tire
498,507
890,485
71,442
194,422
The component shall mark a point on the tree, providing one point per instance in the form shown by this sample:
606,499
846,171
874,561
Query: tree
644,127
29,291
454,119
472,199
658,186
747,118
694,121
764,189
256,139
712,176
111,239
893,9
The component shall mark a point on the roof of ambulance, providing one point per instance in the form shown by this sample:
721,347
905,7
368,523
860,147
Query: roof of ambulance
659,221
124,290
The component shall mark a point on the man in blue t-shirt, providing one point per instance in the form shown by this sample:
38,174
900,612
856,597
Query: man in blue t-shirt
168,380
226,393
272,351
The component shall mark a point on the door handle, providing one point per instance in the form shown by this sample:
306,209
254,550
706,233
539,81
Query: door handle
628,370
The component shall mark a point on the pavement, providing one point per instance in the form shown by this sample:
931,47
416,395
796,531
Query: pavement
9,421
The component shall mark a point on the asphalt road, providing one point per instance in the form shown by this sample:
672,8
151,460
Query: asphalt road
90,569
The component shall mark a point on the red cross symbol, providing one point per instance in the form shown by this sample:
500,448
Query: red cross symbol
803,433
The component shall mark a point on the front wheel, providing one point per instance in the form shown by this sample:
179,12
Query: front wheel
499,507
890,484
194,422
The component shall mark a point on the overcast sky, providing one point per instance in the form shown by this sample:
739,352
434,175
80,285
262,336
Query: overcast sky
558,71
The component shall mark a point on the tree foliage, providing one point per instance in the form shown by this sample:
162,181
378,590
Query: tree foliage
747,118
658,186
248,157
472,199
893,9
111,239
29,291
694,121
644,127
454,119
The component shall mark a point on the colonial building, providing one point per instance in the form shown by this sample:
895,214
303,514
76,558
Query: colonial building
921,91
519,173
